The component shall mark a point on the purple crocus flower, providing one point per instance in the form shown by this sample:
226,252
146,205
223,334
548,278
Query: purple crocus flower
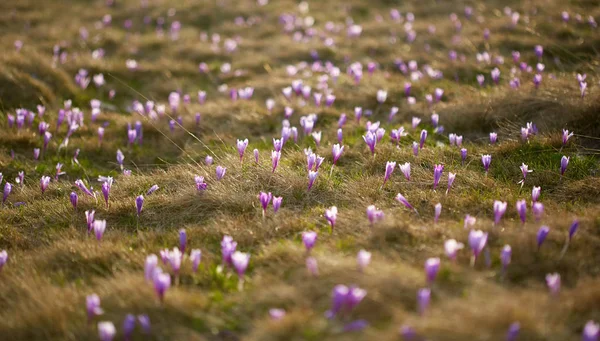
389,169
591,331
139,204
358,113
128,326
92,304
200,184
339,296
573,228
451,248
493,138
340,135
208,160
539,51
537,80
182,240
265,199
336,152
404,202
228,247
535,193
415,148
195,257
373,214
451,178
277,203
564,162
513,331
309,238
538,210
89,217
162,282
99,228
241,147
220,172
152,189
331,216
495,75
432,267
131,136
44,182
312,176
312,266
566,136
463,155
405,168
144,321
3,258
276,314
7,190
499,210
423,138
522,210
256,156
150,267
363,258
423,299
36,153
486,160
240,262
437,175
553,282
437,212
275,156
505,256
106,191
370,139
106,331
541,235
477,241
120,158
74,198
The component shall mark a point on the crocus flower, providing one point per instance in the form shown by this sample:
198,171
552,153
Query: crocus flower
174,258
220,172
541,235
182,240
340,135
106,331
106,191
451,248
358,113
423,138
524,170
200,184
144,321
566,136
363,258
463,155
312,266
99,228
162,282
7,190
404,202
128,326
538,210
152,189
432,266
469,221
44,182
228,247
150,267
381,96
415,122
331,216
505,256
437,174
3,258
309,238
553,282
256,155
265,199
591,331
276,314
373,214
336,152
240,262
89,217
415,148
513,331
195,257
477,241
389,169
92,304
522,210
486,160
277,203
537,80
535,193
36,153
312,176
208,160
423,298
437,212
275,156
493,138
370,139
451,177
74,198
139,204
499,210
564,162
573,228
405,168
241,147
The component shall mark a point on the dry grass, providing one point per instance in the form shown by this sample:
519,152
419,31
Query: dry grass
53,264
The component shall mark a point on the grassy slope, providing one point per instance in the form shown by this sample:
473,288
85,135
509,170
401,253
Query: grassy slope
53,265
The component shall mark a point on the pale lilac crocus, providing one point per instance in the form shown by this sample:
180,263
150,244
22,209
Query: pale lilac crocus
200,184
591,331
553,283
535,193
106,191
152,189
538,210
363,258
405,169
256,156
423,299
493,138
432,267
208,160
277,203
106,331
331,216
195,257
469,221
240,262
374,215
358,113
6,193
513,331
566,136
44,182
522,210
99,228
499,210
241,147
309,239
415,148
541,235
381,96
370,139
437,212
220,172
92,305
89,217
477,242
451,248
564,162
423,138
505,256
3,258
120,158
451,178
401,199
275,156
312,176
139,204
150,267
415,122
336,152
175,258
340,135
36,153
486,160
389,169
437,175
317,137
162,282
312,266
